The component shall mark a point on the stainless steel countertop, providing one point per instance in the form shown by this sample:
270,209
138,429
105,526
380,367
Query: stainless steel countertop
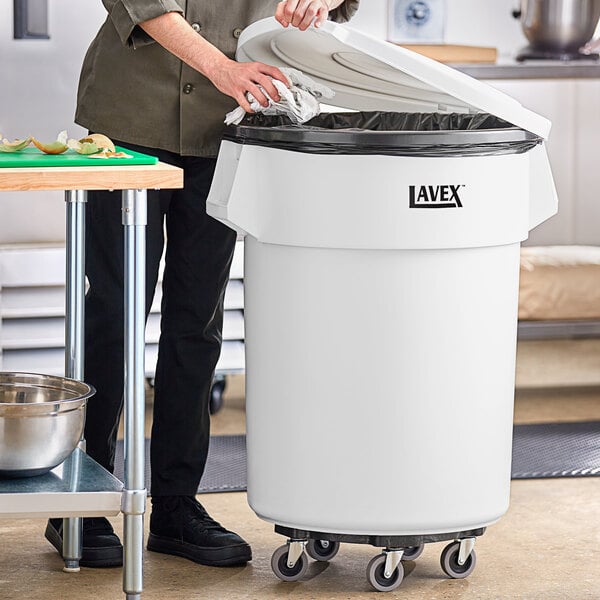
533,69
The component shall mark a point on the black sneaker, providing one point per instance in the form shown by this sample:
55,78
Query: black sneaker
101,546
180,525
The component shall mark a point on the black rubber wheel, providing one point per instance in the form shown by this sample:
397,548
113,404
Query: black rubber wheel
216,396
376,575
449,562
281,569
322,550
413,552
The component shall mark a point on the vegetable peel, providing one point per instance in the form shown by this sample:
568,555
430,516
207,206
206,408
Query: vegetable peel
57,147
15,145
109,154
102,141
84,146
95,145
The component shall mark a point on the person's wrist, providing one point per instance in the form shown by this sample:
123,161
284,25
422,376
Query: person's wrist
218,64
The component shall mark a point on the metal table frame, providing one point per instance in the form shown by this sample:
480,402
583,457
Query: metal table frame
74,180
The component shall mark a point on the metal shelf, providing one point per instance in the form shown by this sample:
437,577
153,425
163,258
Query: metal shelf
79,487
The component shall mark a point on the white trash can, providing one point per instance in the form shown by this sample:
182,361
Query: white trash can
381,288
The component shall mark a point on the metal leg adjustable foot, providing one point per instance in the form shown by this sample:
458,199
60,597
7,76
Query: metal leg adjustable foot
71,566
72,534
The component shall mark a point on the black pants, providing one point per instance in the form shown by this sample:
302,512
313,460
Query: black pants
198,256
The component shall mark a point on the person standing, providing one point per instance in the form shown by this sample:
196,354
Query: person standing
159,78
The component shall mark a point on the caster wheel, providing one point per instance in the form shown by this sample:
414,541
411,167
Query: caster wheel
449,562
413,552
281,569
376,575
322,550
216,396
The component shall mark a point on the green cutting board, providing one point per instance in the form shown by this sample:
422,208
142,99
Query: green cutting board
32,157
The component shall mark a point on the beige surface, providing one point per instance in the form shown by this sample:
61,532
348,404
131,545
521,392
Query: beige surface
546,547
559,282
453,53
564,404
558,363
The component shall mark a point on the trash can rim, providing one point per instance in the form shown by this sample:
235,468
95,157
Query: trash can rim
511,140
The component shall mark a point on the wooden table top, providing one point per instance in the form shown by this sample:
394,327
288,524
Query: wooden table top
160,175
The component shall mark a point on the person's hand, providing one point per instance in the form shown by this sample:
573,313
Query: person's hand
235,79
301,13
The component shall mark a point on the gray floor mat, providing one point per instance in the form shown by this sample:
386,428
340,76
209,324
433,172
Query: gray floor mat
556,450
539,451
225,466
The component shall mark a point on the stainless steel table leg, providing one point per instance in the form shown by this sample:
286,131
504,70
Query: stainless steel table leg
75,287
133,503
74,345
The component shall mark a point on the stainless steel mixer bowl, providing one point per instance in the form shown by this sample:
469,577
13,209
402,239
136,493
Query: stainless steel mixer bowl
41,421
559,25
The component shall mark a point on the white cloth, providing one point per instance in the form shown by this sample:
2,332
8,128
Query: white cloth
300,102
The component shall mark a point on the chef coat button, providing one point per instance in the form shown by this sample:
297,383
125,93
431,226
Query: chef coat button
237,32
187,88
196,27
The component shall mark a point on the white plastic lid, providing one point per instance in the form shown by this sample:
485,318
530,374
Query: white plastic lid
369,74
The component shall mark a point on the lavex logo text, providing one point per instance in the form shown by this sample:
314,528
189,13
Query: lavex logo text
434,196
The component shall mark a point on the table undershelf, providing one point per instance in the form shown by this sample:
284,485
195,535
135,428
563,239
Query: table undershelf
79,487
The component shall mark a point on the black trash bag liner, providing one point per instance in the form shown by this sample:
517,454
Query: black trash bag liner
391,133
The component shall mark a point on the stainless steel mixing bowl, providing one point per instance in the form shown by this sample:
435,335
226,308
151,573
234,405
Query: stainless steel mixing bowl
41,421
558,25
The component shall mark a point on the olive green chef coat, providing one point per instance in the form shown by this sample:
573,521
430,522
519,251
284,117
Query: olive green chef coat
133,90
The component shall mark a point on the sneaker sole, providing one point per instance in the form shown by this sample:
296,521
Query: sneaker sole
90,557
213,557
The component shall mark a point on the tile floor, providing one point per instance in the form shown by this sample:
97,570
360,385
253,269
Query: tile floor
546,547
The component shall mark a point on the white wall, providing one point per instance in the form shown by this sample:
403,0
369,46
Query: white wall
371,18
485,23
573,106
470,22
42,78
